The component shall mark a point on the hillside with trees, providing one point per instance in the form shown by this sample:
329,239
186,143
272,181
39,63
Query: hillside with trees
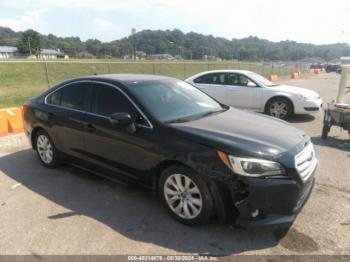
188,45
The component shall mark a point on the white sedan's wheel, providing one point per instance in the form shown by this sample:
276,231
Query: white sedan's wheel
278,109
183,196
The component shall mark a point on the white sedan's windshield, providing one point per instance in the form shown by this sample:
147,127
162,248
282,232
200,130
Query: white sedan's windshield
173,100
261,79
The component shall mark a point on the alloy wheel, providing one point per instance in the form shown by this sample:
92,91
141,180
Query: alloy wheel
278,109
183,196
45,149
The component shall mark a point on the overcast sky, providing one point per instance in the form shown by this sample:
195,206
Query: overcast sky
310,21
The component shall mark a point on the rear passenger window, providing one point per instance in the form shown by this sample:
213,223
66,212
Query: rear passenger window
55,98
73,96
215,79
108,100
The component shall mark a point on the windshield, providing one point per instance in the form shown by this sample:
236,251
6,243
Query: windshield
173,100
261,79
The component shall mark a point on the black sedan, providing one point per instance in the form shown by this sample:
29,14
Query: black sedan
333,68
203,158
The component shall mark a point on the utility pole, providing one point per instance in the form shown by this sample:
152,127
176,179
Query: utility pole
133,32
30,49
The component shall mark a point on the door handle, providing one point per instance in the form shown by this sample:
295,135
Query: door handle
89,128
50,115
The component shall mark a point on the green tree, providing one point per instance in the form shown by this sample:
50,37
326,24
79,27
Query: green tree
189,45
30,42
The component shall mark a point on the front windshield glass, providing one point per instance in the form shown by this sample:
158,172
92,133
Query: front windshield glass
173,100
261,79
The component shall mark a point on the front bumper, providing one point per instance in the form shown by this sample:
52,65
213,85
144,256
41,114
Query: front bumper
278,201
308,106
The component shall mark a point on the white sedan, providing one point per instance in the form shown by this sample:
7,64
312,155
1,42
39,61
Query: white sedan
248,90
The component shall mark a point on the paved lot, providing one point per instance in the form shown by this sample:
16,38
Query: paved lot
68,211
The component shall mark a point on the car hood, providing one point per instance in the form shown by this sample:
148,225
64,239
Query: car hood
242,133
295,90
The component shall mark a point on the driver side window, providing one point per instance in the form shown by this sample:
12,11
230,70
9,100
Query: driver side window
107,100
239,80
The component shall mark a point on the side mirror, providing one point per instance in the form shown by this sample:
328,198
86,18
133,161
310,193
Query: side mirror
123,119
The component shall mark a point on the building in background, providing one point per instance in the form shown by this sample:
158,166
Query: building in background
211,58
51,54
345,60
8,51
86,55
161,57
140,55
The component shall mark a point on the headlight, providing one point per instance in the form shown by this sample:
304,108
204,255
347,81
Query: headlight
251,167
305,98
301,97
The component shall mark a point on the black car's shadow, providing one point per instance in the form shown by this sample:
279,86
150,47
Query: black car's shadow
334,142
130,211
301,118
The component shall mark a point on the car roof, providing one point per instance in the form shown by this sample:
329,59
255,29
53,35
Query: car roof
123,79
220,71
127,78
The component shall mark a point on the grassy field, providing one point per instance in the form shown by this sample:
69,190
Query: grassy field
20,80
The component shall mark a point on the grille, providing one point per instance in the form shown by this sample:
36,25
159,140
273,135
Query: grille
306,161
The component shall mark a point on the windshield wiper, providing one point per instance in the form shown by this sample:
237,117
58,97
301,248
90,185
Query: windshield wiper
211,113
193,117
178,120
197,116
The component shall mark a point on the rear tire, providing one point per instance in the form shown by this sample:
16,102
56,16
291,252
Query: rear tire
279,107
46,150
185,195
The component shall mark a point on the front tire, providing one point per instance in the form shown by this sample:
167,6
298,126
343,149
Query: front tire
279,107
185,195
46,150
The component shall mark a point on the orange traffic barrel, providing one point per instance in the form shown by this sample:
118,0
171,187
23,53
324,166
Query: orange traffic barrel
13,119
295,75
273,78
3,124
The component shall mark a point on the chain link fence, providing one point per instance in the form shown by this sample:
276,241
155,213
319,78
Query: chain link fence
20,80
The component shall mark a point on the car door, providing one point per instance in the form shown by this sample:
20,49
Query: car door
242,92
115,147
66,111
213,84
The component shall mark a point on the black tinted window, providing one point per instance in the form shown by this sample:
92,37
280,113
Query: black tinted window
216,79
108,100
55,98
73,96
